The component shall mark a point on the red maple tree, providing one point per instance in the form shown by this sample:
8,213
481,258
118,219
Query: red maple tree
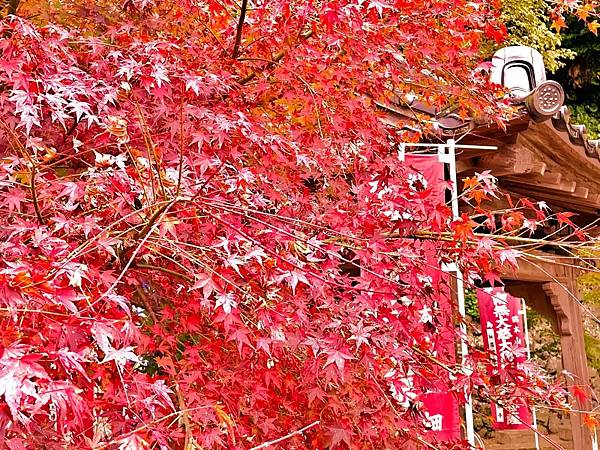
199,245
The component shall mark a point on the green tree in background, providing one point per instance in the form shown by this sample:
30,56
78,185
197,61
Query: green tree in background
528,24
581,76
573,56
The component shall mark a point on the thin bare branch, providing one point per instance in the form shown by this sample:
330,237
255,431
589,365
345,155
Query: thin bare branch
278,57
163,269
287,436
240,26
13,6
16,144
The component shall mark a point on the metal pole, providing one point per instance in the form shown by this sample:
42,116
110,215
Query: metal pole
533,411
450,159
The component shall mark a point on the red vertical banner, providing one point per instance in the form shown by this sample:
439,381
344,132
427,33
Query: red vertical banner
503,330
430,174
441,407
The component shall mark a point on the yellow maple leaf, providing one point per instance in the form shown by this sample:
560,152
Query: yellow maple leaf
584,11
558,24
470,182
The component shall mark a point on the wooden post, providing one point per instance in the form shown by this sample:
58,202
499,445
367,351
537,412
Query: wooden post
551,289
563,295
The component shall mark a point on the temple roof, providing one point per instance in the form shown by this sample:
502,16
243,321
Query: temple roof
541,153
451,126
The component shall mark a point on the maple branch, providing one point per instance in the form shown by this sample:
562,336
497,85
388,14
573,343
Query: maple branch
305,241
151,148
34,198
16,143
71,128
287,436
85,247
146,301
288,219
387,399
148,425
13,5
276,58
185,418
162,212
433,360
180,173
212,33
449,236
139,173
144,231
424,442
238,33
554,444
163,269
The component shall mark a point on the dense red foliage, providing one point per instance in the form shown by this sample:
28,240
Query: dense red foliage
178,218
